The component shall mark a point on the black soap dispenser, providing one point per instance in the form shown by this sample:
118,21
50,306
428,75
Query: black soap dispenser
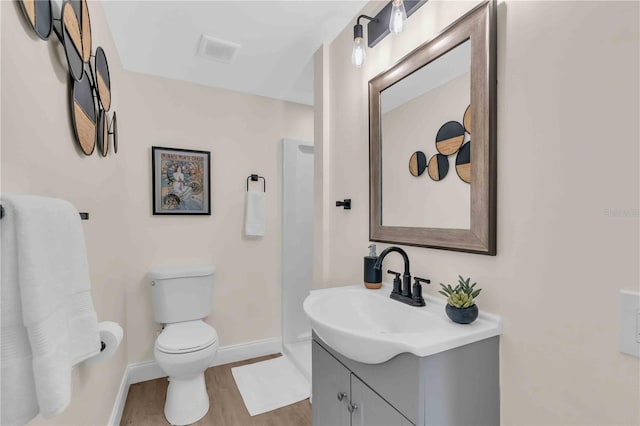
372,276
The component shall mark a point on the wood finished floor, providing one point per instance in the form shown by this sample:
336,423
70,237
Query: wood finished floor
145,403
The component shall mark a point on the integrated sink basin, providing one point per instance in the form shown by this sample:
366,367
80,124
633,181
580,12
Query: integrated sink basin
369,327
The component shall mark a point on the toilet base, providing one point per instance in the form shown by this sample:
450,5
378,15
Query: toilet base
187,400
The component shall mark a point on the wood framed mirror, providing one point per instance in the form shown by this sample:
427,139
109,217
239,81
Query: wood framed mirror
451,78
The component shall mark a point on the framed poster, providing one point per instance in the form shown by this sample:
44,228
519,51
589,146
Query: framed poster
181,181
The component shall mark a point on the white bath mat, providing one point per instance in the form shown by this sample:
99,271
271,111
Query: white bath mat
269,385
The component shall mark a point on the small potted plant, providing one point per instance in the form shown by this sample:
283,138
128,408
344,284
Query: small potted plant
461,305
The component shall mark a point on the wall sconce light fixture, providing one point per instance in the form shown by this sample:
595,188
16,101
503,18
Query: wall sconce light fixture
359,53
391,19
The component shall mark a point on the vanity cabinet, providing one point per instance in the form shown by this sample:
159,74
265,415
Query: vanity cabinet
459,386
340,398
369,409
331,388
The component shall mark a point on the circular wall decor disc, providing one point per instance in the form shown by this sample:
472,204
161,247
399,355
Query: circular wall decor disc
466,119
463,162
417,163
72,40
103,133
102,79
38,13
83,114
449,138
113,131
77,7
438,167
85,28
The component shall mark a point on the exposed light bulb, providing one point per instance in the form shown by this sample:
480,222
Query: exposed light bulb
358,55
398,19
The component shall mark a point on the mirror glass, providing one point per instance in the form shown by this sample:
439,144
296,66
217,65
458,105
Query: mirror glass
429,186
422,135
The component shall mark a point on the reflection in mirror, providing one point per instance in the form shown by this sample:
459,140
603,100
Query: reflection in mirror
424,113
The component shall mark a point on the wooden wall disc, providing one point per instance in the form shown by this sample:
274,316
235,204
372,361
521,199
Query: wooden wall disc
102,79
449,138
72,40
466,119
463,162
103,133
113,131
438,167
38,13
85,28
83,114
417,163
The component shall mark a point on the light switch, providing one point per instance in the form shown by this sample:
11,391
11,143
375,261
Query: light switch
630,323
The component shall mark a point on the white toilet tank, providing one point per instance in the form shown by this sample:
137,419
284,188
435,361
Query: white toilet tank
181,293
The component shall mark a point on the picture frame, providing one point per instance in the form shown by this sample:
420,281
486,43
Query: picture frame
181,181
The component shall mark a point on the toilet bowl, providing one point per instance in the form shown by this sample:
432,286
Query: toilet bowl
181,298
184,350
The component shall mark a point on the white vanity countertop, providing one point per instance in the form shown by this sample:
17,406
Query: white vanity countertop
368,326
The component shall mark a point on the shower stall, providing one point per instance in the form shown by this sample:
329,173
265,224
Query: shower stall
297,250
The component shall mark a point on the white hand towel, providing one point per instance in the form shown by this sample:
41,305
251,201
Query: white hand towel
55,300
256,213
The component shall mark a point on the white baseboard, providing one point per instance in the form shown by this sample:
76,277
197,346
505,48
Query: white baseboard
121,398
144,371
150,370
242,351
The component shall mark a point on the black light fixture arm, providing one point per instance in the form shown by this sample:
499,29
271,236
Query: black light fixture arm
366,17
357,28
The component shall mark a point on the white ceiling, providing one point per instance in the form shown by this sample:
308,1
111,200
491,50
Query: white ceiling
278,41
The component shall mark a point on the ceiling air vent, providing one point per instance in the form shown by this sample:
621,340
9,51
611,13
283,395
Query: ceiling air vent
218,50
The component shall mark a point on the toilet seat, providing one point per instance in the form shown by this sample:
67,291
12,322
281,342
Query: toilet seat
185,337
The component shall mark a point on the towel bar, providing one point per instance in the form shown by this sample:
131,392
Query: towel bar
83,216
255,178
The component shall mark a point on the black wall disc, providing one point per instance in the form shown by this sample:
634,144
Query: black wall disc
449,138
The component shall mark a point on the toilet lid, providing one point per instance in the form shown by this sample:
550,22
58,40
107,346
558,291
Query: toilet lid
188,336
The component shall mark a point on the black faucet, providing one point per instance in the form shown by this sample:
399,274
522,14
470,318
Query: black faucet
404,294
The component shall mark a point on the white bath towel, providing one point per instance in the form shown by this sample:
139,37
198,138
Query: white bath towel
45,281
256,213
19,403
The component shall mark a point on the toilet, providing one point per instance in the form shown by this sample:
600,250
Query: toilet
187,345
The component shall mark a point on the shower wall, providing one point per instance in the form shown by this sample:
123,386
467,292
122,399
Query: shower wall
297,237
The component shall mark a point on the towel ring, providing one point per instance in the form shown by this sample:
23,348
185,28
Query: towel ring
254,178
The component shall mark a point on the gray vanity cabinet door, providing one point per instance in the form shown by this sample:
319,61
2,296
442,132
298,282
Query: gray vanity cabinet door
330,380
370,409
